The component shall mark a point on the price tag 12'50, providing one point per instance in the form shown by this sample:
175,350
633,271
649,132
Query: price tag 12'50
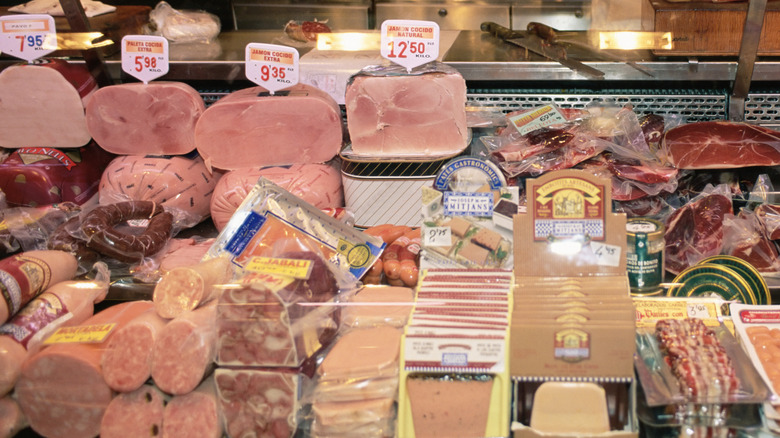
28,37
145,57
409,43
271,66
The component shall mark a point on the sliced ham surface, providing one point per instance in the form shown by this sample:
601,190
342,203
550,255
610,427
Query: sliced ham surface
136,118
251,128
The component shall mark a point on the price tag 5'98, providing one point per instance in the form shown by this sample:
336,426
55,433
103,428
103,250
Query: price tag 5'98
145,57
409,43
28,37
271,66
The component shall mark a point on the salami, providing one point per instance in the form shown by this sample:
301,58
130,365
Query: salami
194,415
134,414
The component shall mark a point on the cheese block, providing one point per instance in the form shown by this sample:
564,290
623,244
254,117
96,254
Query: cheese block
570,408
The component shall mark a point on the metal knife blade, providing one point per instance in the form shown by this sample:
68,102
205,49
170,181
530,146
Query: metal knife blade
541,47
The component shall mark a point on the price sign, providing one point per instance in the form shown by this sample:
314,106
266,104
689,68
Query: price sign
437,236
699,310
531,120
409,43
145,57
271,66
28,37
606,255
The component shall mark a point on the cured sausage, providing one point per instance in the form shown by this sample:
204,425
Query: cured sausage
127,361
12,420
65,303
28,274
194,415
184,351
185,288
134,414
62,391
100,226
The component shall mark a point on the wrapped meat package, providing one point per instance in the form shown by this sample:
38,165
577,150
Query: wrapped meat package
394,113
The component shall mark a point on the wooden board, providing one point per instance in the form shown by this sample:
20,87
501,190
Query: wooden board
713,29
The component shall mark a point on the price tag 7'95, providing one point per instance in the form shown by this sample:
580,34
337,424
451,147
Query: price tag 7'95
145,57
28,37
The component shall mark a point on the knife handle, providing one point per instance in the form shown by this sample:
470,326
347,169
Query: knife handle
543,31
497,30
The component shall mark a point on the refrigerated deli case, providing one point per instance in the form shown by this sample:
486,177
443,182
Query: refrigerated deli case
505,77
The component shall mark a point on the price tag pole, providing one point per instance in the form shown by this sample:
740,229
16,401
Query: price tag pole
409,43
27,37
273,67
145,57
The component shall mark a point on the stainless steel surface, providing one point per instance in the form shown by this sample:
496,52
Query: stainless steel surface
754,21
763,109
275,15
450,15
562,14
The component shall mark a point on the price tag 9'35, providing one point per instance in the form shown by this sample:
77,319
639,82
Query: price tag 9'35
145,57
273,67
28,37
409,43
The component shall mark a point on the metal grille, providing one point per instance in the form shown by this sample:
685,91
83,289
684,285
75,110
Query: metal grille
210,97
763,109
694,107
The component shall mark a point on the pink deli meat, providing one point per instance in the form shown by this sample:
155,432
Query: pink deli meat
42,104
62,391
721,145
398,114
134,414
194,415
317,184
136,118
251,128
180,183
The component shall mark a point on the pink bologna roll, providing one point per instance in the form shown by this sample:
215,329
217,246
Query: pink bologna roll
134,414
195,414
136,118
182,183
251,128
42,104
317,184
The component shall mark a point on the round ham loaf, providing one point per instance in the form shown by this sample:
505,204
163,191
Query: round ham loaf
317,184
136,118
180,183
251,128
42,104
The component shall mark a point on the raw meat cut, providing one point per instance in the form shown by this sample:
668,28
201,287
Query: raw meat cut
391,113
139,119
695,231
258,402
180,183
42,104
721,145
184,351
317,184
33,176
251,128
62,391
194,415
134,414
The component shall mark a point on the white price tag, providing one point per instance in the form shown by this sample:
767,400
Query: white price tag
532,120
271,66
437,236
28,37
145,57
698,310
606,255
409,43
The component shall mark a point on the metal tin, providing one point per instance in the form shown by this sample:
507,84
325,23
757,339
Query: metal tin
645,255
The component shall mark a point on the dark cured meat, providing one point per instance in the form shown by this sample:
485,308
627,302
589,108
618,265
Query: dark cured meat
695,231
769,216
749,242
721,145
653,129
257,403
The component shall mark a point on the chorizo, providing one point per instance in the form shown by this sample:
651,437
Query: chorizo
101,228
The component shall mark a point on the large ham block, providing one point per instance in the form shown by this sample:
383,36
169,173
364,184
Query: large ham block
182,183
42,104
721,145
252,128
34,176
317,184
391,113
136,118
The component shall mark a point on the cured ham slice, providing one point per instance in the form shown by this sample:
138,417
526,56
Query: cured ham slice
391,113
252,128
721,145
136,118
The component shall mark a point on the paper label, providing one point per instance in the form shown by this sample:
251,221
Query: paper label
532,120
468,204
409,43
34,317
271,66
145,57
28,37
606,255
84,334
462,354
295,268
651,310
437,236
272,282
